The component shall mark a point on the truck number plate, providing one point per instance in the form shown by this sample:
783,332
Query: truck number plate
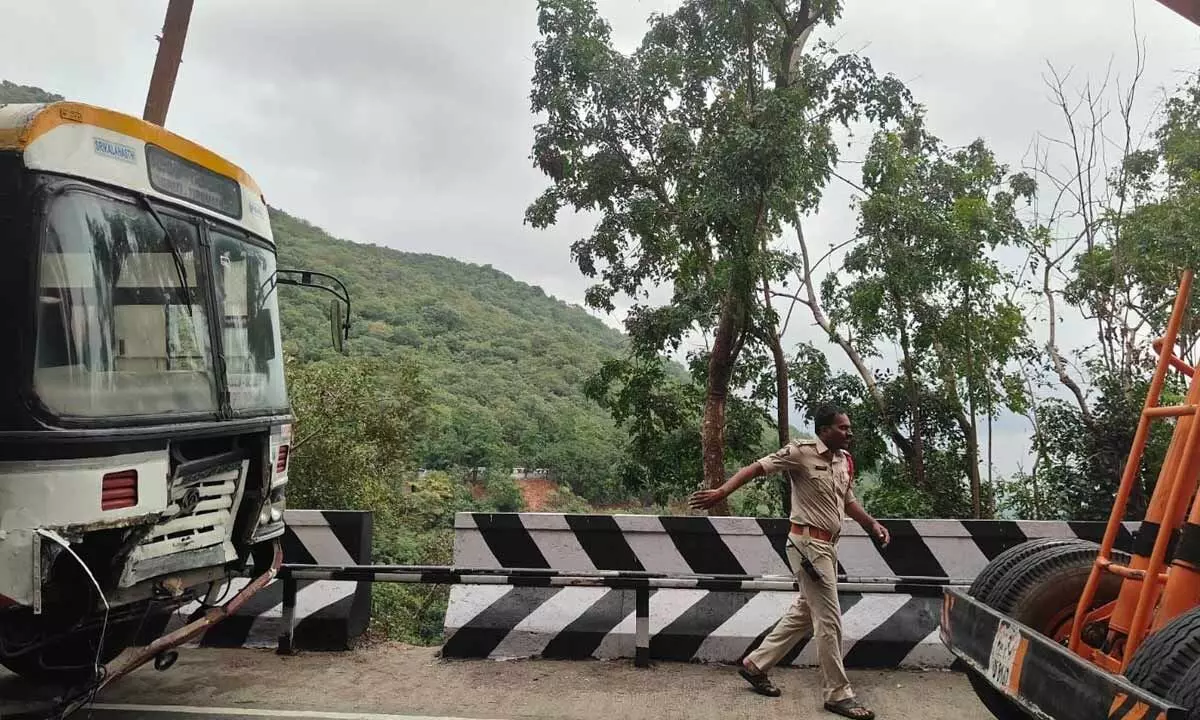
1004,650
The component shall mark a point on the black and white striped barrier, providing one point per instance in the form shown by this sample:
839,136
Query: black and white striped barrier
327,614
890,619
641,584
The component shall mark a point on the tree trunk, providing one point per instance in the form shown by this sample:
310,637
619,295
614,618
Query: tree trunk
968,427
973,437
917,461
782,402
720,369
781,413
965,424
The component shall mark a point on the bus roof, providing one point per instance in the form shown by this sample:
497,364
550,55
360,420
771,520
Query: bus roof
85,141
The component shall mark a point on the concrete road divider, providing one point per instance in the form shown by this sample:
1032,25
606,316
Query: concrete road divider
890,600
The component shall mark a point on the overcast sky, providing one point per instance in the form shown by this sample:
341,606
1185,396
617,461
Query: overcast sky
406,123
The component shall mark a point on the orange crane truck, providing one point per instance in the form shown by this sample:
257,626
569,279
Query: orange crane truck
1065,629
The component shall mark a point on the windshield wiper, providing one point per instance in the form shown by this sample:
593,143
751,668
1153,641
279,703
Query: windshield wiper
180,267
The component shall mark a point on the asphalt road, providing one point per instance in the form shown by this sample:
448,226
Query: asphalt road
395,682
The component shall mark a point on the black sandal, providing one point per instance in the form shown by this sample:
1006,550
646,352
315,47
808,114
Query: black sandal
851,708
760,682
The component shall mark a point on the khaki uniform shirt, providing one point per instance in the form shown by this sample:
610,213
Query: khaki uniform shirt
820,482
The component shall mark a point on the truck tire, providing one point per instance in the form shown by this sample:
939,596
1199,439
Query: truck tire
1186,691
1042,590
1165,656
998,567
1034,586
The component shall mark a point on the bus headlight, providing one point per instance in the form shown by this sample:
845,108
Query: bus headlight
270,517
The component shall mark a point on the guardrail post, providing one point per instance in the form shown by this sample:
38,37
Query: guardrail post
287,638
641,653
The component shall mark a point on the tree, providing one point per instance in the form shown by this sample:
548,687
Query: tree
660,410
921,278
358,424
694,150
1111,245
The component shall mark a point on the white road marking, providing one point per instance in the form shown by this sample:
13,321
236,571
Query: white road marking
257,712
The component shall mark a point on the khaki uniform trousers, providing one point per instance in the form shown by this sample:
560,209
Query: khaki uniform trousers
816,608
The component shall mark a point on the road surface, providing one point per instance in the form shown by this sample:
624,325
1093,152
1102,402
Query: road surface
398,682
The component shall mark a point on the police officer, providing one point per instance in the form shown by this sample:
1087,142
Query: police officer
820,473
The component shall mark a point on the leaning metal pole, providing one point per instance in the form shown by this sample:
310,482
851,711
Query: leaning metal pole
160,648
166,63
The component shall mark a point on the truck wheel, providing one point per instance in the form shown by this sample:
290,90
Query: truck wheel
1042,591
987,578
1166,655
1186,691
1039,586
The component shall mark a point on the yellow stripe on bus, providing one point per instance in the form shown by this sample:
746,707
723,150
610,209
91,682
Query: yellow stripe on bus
62,113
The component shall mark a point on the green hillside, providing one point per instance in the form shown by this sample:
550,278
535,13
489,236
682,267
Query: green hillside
11,92
506,362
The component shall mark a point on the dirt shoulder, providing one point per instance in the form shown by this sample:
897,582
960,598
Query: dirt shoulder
401,679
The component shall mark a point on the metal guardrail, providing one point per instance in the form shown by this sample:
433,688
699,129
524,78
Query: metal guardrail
639,581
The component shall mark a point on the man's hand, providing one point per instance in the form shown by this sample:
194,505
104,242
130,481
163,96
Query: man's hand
880,532
705,499
870,525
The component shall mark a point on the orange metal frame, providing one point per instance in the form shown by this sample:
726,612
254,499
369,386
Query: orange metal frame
1151,592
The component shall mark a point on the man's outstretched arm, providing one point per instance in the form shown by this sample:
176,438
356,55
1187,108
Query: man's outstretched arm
704,499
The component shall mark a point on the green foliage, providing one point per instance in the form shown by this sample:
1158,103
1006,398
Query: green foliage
1124,280
695,150
504,364
1080,464
356,418
661,414
504,494
925,281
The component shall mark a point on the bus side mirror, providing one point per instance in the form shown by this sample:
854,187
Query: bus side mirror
338,326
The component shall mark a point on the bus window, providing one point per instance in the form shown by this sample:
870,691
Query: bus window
118,334
244,273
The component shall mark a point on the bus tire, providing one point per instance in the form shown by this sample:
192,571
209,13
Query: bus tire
1042,591
71,661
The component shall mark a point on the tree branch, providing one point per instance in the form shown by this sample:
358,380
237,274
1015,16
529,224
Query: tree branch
856,359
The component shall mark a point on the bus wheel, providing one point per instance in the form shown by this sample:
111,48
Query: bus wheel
1186,691
68,661
1166,655
1042,591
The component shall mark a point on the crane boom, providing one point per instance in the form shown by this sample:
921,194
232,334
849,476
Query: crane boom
166,63
1189,9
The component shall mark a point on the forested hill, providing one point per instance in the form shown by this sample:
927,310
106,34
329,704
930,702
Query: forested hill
506,363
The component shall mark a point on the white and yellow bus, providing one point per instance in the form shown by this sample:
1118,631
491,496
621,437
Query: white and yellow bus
144,418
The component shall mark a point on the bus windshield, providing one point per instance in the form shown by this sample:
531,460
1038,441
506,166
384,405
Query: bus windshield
244,274
119,335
